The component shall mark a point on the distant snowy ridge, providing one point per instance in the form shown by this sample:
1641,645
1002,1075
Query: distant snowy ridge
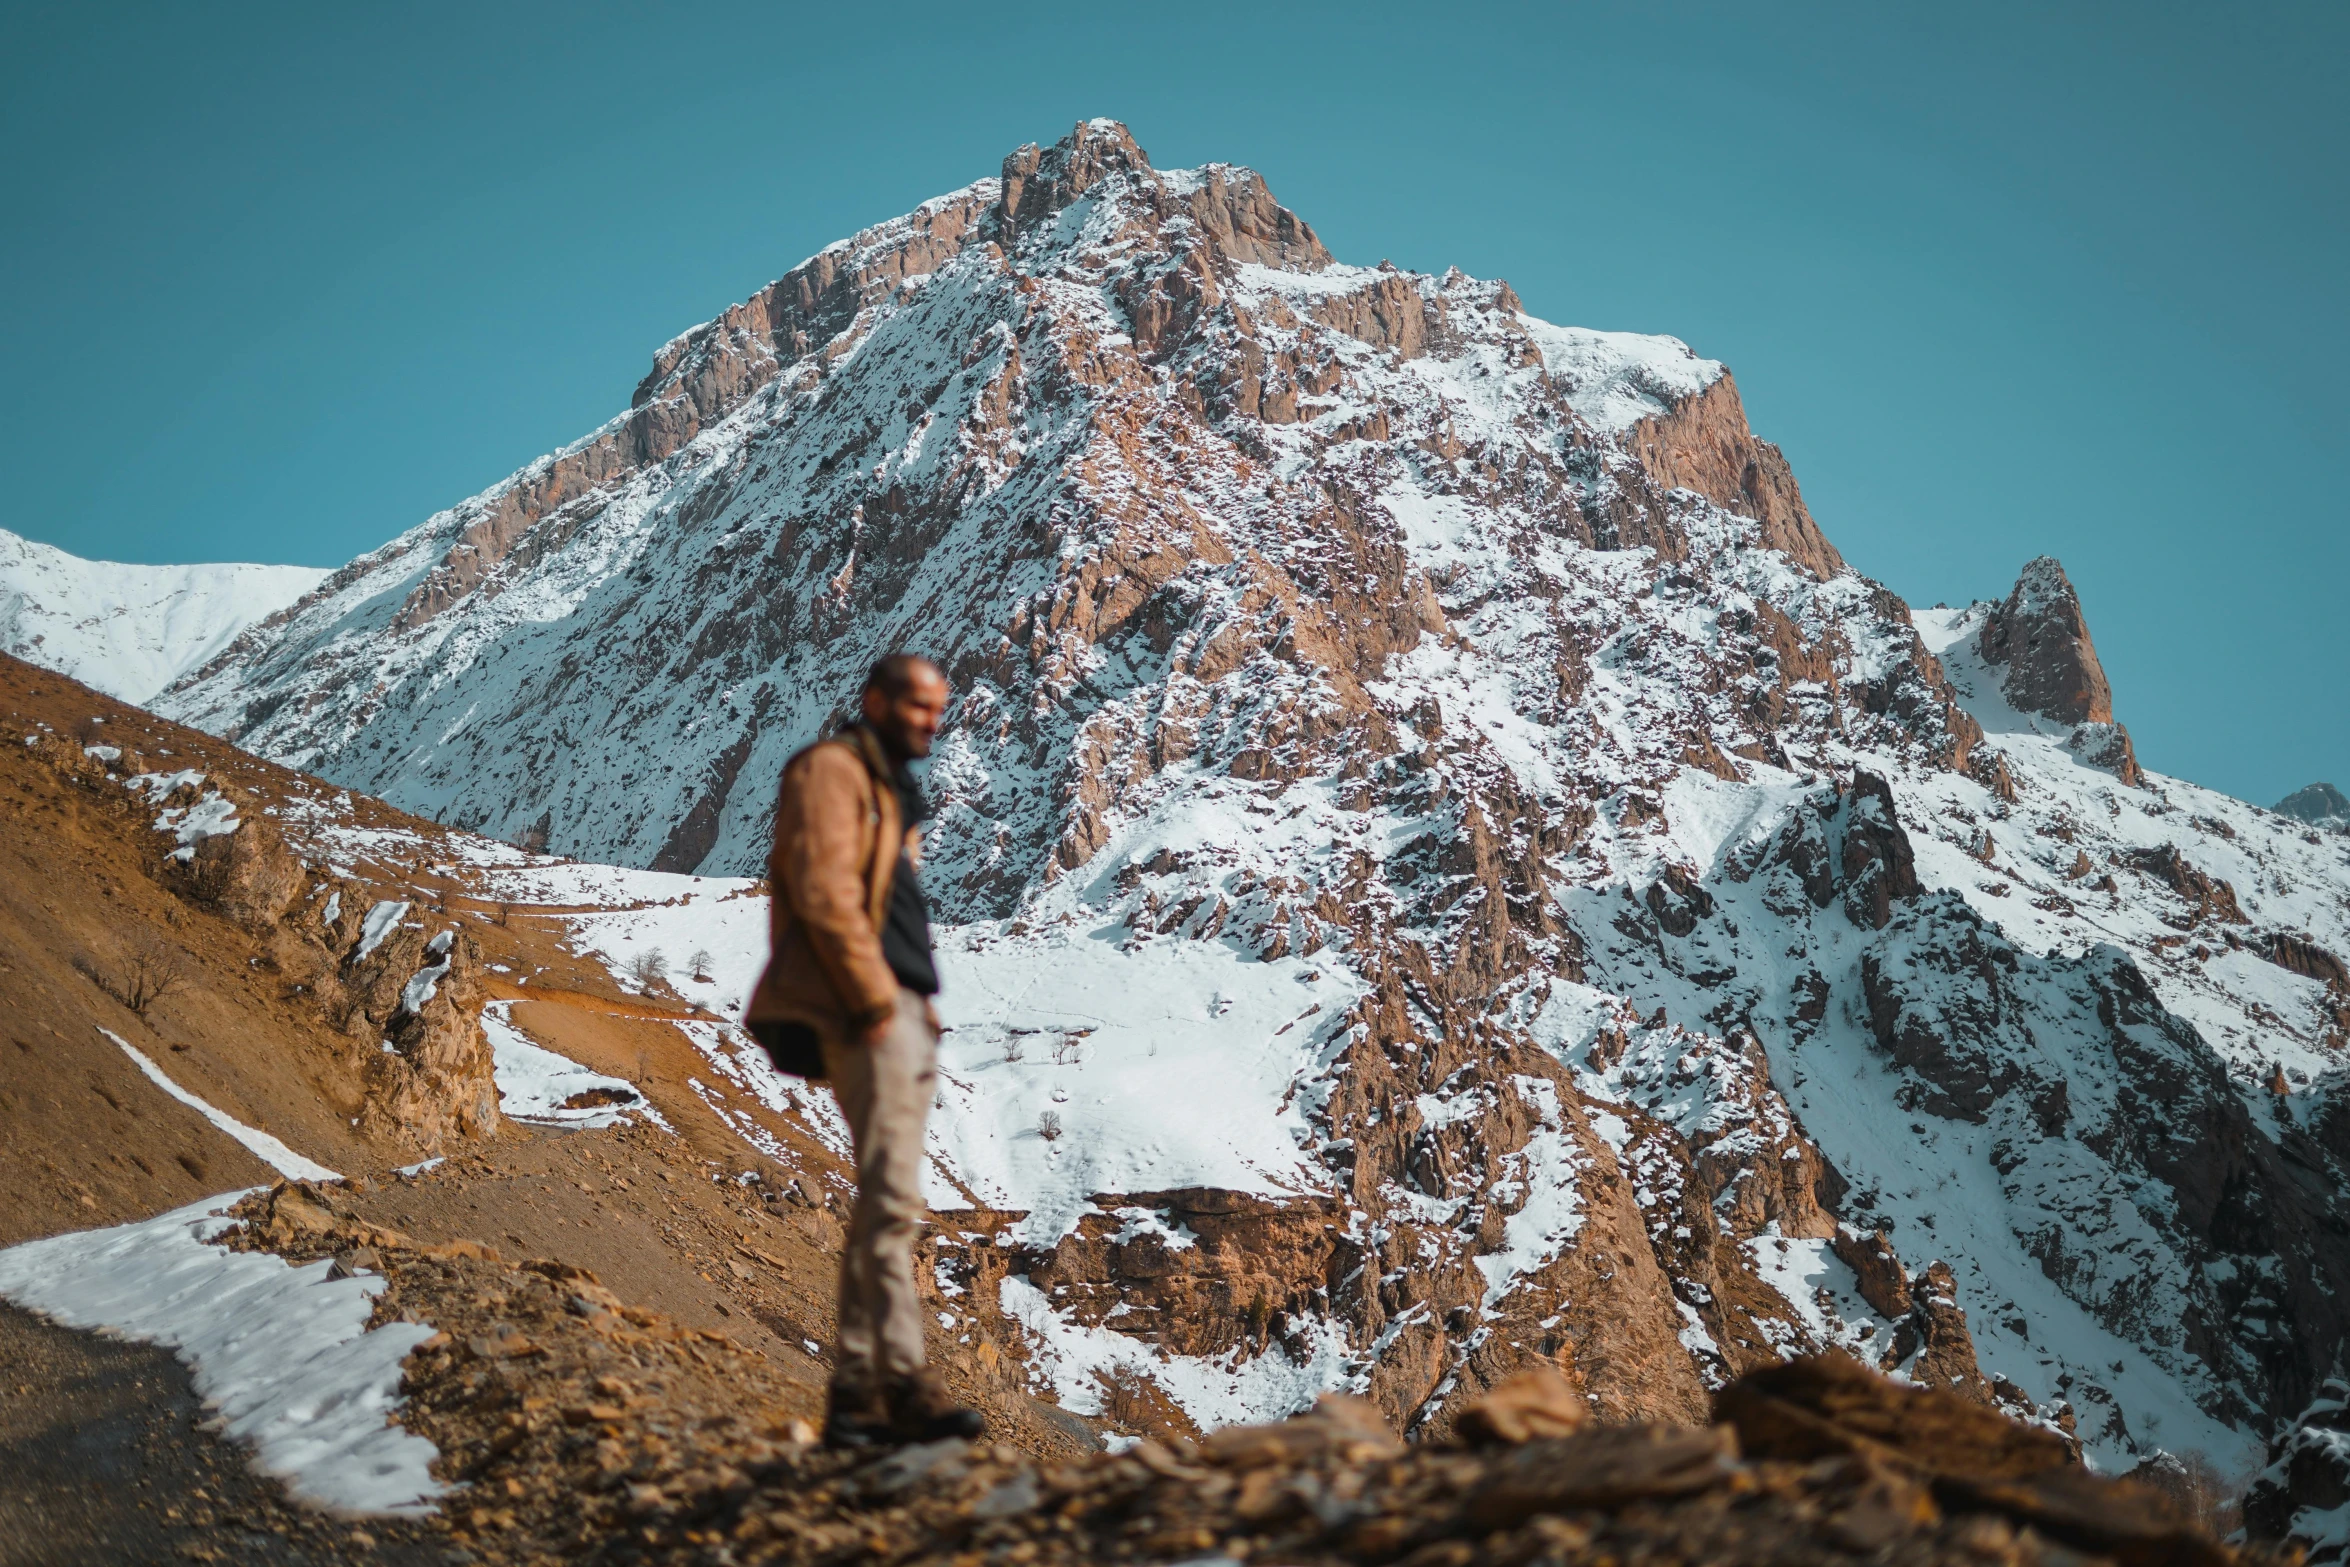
131,630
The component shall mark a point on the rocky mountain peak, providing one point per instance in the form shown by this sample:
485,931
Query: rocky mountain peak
2041,636
1037,183
2320,805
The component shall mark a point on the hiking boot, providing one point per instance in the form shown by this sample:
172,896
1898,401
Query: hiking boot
856,1414
922,1410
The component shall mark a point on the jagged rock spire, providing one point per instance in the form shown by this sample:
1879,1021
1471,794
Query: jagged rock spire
1039,182
2041,636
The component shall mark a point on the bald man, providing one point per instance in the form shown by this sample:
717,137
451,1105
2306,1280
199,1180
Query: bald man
846,997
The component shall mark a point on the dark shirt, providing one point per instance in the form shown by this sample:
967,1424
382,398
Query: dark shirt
905,932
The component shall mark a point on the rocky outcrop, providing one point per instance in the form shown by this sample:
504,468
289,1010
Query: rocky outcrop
248,873
1814,1462
2107,746
417,1066
2299,955
1704,444
407,999
2206,897
2303,1496
2039,642
2042,639
1826,1407
429,1079
1878,869
1202,1271
1929,1343
409,1002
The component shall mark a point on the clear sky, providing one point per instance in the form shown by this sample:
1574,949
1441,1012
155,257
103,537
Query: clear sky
2002,279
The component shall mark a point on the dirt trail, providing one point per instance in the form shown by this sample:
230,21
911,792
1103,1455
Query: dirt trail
102,1462
586,1001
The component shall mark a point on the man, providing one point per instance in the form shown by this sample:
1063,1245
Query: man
846,996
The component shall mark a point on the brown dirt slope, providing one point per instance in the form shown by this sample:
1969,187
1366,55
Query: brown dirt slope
85,1138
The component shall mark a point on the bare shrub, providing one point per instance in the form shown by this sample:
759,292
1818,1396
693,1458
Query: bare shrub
208,873
505,911
1048,1126
701,961
650,967
1014,1049
150,971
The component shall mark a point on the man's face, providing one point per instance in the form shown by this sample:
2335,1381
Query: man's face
907,721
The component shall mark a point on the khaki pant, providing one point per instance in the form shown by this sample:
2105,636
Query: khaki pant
885,1094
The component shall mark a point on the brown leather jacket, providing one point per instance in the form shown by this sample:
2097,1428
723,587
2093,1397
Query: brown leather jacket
838,834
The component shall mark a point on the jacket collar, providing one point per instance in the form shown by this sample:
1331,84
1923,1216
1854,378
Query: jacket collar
868,746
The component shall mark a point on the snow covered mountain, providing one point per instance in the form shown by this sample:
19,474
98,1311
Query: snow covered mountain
130,630
1582,917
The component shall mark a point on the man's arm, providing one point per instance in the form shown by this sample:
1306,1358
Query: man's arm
820,833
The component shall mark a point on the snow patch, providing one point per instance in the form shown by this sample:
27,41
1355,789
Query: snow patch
380,922
260,1144
283,1352
1079,1364
536,1084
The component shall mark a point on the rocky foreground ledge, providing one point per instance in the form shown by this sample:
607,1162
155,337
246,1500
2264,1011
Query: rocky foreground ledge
1816,1461
578,1428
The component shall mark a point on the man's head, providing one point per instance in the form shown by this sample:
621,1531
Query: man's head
905,696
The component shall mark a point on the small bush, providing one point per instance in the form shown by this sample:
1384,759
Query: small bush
650,967
1048,1126
150,971
701,961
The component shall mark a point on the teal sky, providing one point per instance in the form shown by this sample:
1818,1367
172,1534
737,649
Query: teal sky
2003,280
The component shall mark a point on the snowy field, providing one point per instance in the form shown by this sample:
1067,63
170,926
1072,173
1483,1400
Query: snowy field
1180,1063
